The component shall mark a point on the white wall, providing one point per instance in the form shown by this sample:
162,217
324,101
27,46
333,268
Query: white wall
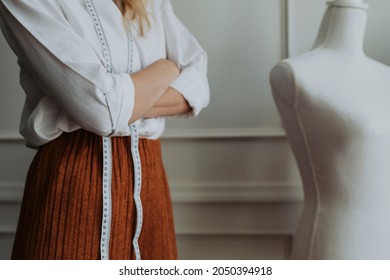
235,186
304,24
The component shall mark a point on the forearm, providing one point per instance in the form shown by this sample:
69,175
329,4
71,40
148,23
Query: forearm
150,85
170,104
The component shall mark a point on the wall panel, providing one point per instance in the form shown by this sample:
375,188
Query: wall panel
243,40
233,247
11,94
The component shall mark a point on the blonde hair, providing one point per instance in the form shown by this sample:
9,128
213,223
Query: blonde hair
134,10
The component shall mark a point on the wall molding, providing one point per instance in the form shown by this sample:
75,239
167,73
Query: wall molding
7,231
284,16
11,232
289,24
221,192
10,136
192,133
237,192
226,133
211,209
11,192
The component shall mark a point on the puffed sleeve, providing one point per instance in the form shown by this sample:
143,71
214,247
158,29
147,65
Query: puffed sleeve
184,49
65,66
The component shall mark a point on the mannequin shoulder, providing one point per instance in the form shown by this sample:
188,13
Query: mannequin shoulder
283,81
289,76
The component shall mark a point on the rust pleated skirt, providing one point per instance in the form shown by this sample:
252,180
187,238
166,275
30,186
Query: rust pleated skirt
61,213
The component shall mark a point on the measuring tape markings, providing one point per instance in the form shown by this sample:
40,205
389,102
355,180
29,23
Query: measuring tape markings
100,33
107,151
137,189
136,159
107,212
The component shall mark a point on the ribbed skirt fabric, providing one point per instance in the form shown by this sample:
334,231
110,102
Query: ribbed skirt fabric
61,213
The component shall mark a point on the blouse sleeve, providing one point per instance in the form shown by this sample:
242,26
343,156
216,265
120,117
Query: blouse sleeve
66,68
184,49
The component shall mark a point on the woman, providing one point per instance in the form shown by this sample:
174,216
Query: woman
98,75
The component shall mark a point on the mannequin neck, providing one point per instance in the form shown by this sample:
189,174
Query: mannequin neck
346,29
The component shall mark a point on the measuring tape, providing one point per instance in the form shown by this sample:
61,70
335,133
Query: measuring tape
137,189
107,151
106,221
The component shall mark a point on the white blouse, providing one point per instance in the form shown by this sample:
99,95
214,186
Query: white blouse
63,69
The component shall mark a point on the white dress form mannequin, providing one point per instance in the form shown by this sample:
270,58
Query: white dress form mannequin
335,105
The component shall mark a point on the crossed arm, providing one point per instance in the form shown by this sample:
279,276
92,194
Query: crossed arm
153,95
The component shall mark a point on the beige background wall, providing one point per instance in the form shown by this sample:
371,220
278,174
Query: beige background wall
235,186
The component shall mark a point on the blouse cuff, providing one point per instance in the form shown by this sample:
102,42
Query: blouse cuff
121,108
191,95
